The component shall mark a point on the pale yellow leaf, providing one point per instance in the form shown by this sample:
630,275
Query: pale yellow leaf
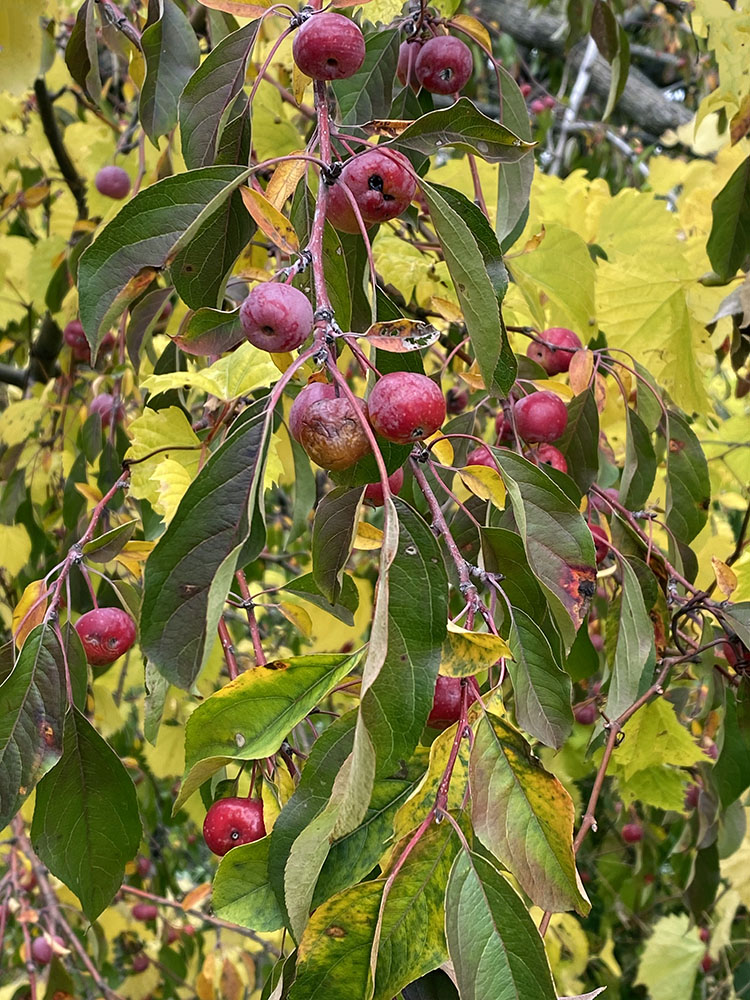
284,181
565,392
270,221
34,594
298,617
581,370
368,537
474,28
726,580
19,421
172,479
485,483
300,83
442,449
151,432
447,309
20,44
467,653
234,375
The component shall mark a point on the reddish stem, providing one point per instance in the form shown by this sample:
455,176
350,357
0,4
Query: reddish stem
227,646
252,621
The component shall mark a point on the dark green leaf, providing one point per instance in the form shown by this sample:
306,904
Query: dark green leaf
688,483
580,442
241,890
210,93
604,29
701,892
156,695
368,94
729,241
435,985
82,53
107,546
86,825
348,600
639,471
334,529
210,331
513,179
189,572
170,49
235,143
731,773
620,70
504,553
464,126
635,655
492,940
143,319
305,495
737,618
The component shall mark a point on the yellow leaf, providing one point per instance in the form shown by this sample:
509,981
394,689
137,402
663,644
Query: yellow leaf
726,579
300,83
172,480
284,181
20,44
472,377
442,449
270,220
368,537
475,29
196,896
151,431
33,595
240,8
565,392
92,493
467,653
238,373
485,483
448,310
19,421
15,548
298,617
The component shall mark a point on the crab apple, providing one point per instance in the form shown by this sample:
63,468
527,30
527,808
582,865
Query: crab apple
555,359
586,713
407,57
106,633
601,542
140,962
406,406
374,491
456,401
481,456
537,106
231,822
42,950
382,186
112,182
108,408
705,935
549,101
75,337
144,911
329,47
547,454
446,703
276,317
692,796
444,65
632,833
540,417
310,394
332,433
736,653
706,963
525,89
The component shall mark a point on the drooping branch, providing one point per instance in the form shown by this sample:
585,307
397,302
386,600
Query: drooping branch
67,168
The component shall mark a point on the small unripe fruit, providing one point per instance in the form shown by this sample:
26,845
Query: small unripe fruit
555,359
525,89
446,703
112,182
106,633
42,950
601,542
632,833
407,59
456,401
276,317
547,454
537,106
540,417
549,101
231,822
382,185
328,47
481,456
444,65
374,492
332,433
140,962
104,404
144,911
586,714
406,407
310,394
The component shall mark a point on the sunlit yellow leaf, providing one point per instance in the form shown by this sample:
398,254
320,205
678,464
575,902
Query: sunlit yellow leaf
442,449
300,83
196,896
447,309
466,653
474,28
172,479
32,594
298,617
726,579
565,392
19,421
270,221
20,44
237,373
581,370
240,8
284,180
368,537
92,493
484,482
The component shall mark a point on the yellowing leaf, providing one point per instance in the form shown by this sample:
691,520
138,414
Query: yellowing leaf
196,896
448,310
298,617
238,373
270,221
581,370
485,483
32,594
20,44
19,421
472,377
300,83
240,8
565,392
654,737
475,29
671,958
15,548
726,579
442,449
284,180
150,432
368,537
172,480
467,653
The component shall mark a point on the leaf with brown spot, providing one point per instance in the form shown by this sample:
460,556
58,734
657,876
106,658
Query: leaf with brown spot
400,335
740,124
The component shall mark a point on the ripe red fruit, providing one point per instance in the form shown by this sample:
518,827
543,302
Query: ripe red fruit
537,106
329,47
540,417
42,950
601,542
736,653
692,796
632,833
382,186
547,454
555,359
706,962
276,317
106,633
525,89
586,714
481,456
446,704
705,935
444,65
406,406
104,404
597,641
142,865
144,911
231,822
407,58
332,433
310,394
140,962
75,337
374,492
549,101
456,401
112,182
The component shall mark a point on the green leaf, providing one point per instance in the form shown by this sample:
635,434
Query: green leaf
189,572
82,53
737,618
366,469
558,543
210,331
86,825
604,29
524,816
171,51
334,529
475,264
671,958
541,688
463,126
513,179
334,953
241,890
140,240
620,71
369,93
248,718
635,653
32,708
504,553
108,545
144,318
729,241
639,471
348,600
156,695
688,483
493,942
210,93
580,442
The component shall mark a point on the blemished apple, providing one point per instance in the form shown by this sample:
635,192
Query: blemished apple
406,407
105,633
328,46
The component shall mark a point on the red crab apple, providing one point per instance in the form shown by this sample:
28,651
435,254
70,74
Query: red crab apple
407,57
706,963
547,454
104,404
446,703
382,186
632,833
601,542
444,65
736,654
540,417
144,911
276,317
406,407
231,822
332,433
106,633
586,713
75,337
525,89
112,182
599,503
329,47
555,359
537,106
374,491
42,950
481,456
310,394
140,962
456,401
